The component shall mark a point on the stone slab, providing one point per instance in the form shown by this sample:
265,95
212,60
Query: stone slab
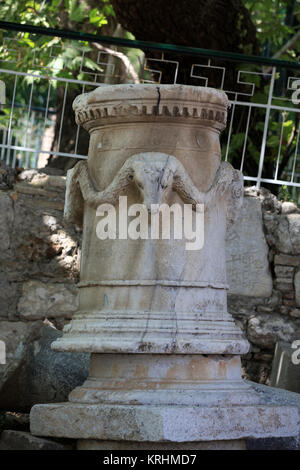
276,396
247,253
163,423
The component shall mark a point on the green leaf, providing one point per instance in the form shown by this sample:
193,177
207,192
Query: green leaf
273,141
77,12
97,18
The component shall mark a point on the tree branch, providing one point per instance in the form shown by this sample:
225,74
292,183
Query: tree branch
287,45
129,67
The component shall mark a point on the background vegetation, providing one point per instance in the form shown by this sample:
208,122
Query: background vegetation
268,27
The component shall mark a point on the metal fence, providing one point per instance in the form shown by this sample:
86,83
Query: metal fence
262,135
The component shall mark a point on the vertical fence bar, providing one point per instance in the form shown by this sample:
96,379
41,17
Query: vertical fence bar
246,138
279,148
9,135
14,158
47,108
29,153
62,116
266,126
3,144
28,118
37,147
78,128
229,132
295,155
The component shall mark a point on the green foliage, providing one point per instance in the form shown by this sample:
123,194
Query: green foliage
285,194
44,57
281,128
48,56
269,17
28,52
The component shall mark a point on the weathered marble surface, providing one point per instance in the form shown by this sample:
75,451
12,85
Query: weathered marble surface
170,369
247,251
163,423
153,296
164,379
35,206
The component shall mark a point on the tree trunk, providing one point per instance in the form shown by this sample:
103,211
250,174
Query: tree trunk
223,25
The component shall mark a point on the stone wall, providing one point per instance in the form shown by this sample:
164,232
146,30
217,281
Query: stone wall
264,275
40,253
39,267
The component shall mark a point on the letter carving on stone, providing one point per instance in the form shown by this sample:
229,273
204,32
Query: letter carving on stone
155,175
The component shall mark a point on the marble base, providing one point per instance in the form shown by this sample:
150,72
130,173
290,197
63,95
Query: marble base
164,379
163,423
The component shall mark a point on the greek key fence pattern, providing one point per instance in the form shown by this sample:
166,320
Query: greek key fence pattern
263,120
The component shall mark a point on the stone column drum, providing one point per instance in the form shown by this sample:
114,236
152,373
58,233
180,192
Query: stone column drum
165,362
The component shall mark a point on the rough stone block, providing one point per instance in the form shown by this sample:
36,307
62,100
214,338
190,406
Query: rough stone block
34,373
247,253
294,230
288,207
266,330
287,260
41,300
277,232
284,285
19,440
6,221
9,294
297,287
41,244
16,336
284,271
295,313
283,232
